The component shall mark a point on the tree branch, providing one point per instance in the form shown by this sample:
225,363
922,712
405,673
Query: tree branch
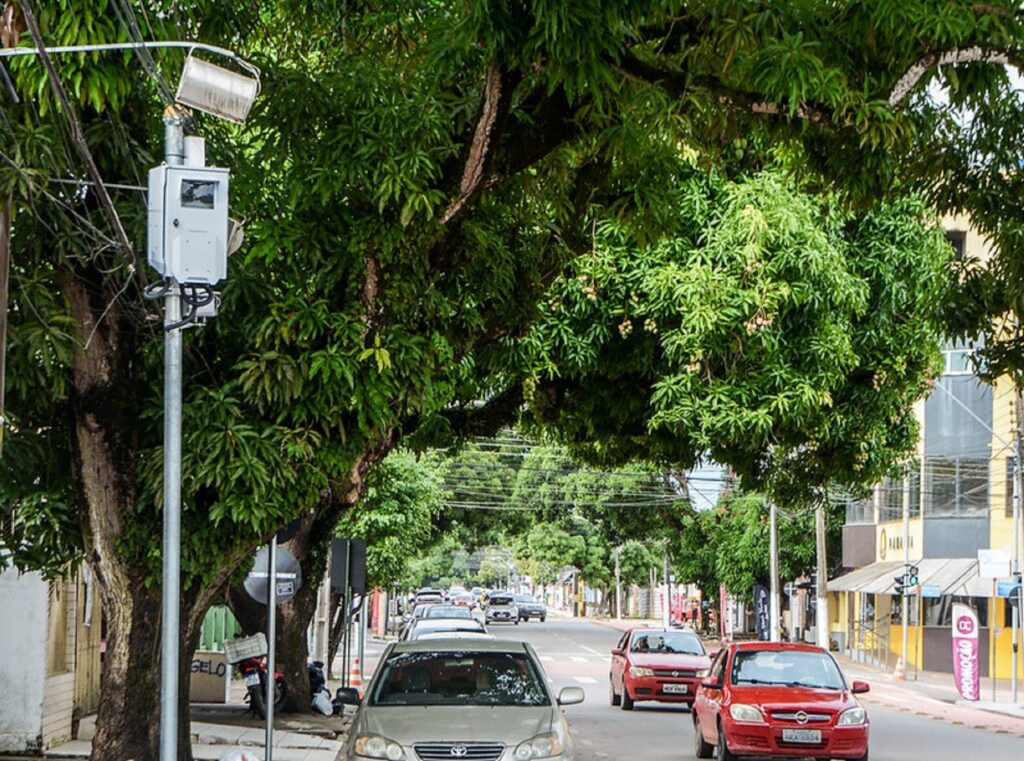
976,54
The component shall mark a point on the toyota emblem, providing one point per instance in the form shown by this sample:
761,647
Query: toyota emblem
458,751
801,717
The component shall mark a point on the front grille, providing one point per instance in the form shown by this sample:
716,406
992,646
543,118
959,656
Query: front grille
467,751
811,718
680,673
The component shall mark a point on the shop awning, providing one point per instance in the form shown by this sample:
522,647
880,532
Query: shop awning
856,580
944,573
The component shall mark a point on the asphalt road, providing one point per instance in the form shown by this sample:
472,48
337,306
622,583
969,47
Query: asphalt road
577,653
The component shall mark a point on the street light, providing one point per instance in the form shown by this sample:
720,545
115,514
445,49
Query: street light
191,193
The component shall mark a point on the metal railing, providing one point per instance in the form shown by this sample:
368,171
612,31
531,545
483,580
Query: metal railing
869,642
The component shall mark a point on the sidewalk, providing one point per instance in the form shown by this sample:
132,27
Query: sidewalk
305,739
934,695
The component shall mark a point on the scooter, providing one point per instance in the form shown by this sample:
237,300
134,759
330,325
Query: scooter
254,671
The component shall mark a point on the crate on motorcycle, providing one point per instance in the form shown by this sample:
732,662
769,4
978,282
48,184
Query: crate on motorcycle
238,650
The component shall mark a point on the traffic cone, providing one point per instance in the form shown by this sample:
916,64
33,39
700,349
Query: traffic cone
898,673
355,675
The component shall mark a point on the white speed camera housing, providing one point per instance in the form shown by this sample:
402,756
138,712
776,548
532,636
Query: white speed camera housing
188,223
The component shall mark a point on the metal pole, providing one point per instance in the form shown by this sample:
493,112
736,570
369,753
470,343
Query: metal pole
174,155
773,550
618,584
1018,490
821,591
364,626
905,599
666,609
271,649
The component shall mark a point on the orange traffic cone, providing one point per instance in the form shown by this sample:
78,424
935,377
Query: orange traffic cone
898,673
355,675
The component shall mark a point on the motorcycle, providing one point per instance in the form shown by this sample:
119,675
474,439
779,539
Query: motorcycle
254,672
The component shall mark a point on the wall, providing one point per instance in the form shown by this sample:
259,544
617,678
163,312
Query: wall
858,545
955,537
59,687
23,665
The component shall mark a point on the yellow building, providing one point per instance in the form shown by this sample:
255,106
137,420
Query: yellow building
960,500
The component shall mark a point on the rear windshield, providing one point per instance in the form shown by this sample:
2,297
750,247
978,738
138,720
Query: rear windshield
787,668
500,601
683,643
525,598
459,678
448,611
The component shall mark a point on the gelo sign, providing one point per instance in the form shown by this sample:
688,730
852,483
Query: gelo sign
966,668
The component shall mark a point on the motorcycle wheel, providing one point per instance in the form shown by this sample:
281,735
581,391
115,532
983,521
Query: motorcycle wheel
257,699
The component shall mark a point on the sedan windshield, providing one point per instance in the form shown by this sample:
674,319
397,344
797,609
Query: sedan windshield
447,611
786,668
682,643
460,678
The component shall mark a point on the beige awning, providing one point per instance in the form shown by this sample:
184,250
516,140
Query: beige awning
945,573
855,581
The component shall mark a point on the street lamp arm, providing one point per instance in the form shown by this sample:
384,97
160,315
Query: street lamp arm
147,44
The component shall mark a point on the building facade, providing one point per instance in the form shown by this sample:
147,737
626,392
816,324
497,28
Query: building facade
959,497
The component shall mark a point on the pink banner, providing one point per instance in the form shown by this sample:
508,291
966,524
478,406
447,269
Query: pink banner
966,667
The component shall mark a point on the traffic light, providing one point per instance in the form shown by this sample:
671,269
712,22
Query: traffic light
906,583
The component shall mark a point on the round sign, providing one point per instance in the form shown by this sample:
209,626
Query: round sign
289,576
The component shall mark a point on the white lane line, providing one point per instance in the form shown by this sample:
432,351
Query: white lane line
585,679
547,658
591,650
578,659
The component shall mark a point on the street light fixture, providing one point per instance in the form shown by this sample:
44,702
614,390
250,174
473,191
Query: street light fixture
216,90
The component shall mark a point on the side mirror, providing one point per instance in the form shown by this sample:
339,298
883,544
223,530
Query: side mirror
858,687
710,681
618,651
570,696
347,696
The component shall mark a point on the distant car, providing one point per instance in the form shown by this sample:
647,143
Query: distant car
779,700
501,607
447,611
461,699
429,595
433,625
466,599
529,608
656,665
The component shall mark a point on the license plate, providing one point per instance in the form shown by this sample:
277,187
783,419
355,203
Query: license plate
801,735
252,680
675,689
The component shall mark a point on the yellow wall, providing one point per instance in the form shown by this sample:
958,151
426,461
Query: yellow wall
889,540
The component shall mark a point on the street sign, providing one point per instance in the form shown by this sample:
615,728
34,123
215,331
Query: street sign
993,564
1007,588
931,590
289,576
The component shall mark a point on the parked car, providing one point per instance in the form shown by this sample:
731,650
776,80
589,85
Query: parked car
771,699
429,595
662,665
447,611
425,625
529,608
447,699
466,599
501,607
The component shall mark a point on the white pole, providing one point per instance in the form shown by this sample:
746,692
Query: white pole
174,155
1018,490
821,592
666,608
618,584
271,648
773,550
905,599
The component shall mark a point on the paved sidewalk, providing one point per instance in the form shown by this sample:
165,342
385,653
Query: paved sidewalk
210,741
935,696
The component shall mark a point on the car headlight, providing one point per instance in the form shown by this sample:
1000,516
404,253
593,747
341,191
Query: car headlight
637,672
375,746
741,712
541,746
853,717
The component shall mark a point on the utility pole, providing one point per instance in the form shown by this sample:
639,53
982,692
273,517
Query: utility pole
1018,493
271,695
666,612
821,591
618,583
174,155
905,598
774,616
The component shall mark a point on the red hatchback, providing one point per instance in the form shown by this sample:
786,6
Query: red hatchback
656,664
778,700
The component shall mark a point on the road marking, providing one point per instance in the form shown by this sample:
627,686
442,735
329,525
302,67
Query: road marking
547,658
585,679
579,659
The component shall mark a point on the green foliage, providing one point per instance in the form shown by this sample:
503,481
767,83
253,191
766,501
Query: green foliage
396,517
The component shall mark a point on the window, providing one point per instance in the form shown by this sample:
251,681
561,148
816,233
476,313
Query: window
859,511
957,239
938,611
892,490
956,486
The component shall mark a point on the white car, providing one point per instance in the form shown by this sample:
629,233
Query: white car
472,699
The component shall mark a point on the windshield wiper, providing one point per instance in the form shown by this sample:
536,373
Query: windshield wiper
764,681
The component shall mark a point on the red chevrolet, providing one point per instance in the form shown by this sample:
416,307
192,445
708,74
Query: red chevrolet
770,699
655,664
